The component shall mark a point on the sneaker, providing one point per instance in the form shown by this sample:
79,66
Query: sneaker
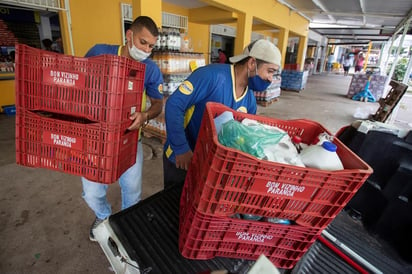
96,222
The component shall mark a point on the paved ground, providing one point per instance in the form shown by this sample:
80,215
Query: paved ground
45,223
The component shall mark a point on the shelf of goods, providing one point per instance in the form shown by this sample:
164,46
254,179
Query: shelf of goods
175,67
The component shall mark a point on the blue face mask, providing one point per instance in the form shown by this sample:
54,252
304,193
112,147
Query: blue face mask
256,83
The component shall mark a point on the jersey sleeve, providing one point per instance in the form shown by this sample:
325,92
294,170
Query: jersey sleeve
153,81
100,49
195,89
95,51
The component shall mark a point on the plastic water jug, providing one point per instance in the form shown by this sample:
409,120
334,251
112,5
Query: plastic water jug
221,119
321,156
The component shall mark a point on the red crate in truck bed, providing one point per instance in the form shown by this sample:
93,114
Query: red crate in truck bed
105,88
229,181
205,236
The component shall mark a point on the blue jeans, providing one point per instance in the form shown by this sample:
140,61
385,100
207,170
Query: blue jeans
131,189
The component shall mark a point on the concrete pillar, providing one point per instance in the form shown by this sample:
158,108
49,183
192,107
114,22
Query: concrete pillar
283,43
303,45
317,58
45,29
323,58
243,32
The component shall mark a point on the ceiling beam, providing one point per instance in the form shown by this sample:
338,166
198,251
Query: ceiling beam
352,43
357,35
362,5
320,5
352,14
353,28
402,24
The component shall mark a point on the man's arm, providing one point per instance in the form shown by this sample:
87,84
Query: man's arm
140,118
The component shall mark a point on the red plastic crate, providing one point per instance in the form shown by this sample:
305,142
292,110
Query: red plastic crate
101,152
203,237
105,88
229,181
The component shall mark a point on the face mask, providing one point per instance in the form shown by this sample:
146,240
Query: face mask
256,83
137,54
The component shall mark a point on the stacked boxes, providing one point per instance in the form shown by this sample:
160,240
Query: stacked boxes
223,183
376,87
294,80
73,112
272,92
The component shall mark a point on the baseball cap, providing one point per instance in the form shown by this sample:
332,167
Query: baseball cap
260,49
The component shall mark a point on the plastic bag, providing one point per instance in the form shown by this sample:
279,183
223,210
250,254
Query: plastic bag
252,138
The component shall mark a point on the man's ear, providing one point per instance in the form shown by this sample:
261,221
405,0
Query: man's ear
129,34
251,64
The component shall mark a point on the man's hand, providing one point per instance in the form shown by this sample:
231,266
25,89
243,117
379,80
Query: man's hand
139,119
183,160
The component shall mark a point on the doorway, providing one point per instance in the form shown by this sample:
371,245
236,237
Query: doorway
224,43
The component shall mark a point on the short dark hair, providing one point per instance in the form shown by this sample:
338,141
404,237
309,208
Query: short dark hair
146,22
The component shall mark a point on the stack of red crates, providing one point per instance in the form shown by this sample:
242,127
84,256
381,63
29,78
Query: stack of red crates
72,113
223,182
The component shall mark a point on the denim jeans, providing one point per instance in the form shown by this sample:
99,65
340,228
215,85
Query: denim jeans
131,189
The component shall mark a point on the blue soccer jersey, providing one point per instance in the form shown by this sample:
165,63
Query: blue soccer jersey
153,81
184,108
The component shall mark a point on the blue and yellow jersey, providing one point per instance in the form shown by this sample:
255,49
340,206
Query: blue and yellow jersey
184,108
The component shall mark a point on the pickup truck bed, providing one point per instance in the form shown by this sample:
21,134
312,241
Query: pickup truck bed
148,235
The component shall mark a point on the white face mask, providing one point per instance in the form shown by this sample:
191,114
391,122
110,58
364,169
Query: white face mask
137,54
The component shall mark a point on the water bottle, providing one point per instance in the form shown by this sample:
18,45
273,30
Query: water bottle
322,156
223,118
251,217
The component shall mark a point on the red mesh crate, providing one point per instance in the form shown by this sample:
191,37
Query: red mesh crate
229,181
105,88
101,152
203,237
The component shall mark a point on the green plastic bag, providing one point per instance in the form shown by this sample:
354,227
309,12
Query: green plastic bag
251,139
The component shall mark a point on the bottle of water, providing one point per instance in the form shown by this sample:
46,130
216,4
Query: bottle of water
321,156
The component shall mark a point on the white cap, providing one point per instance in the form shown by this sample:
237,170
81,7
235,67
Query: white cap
260,49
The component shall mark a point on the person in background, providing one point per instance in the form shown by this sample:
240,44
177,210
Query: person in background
346,65
141,38
228,84
342,59
222,56
359,62
57,46
12,55
329,64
